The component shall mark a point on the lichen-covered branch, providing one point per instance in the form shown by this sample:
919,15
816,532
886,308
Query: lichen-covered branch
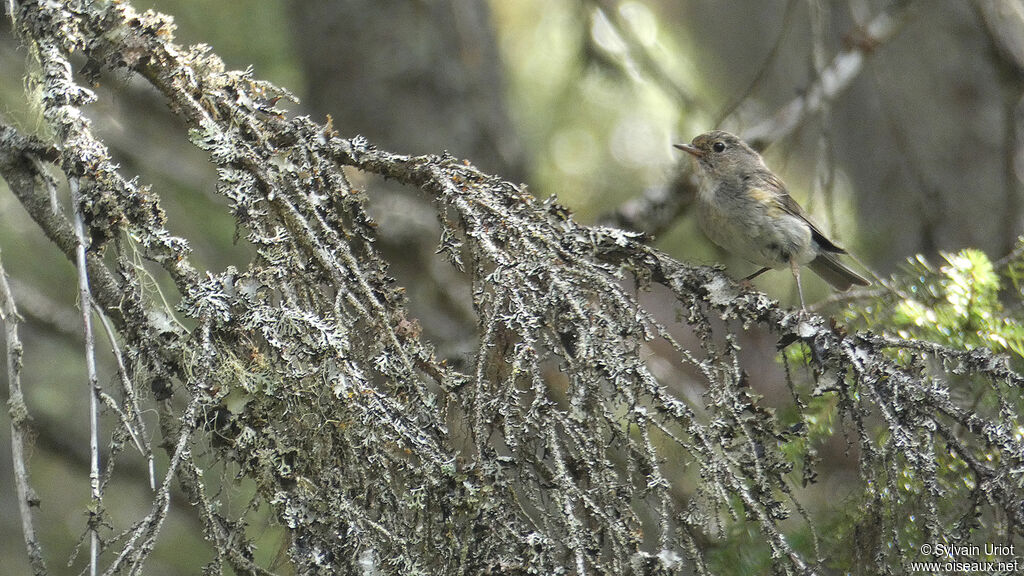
883,385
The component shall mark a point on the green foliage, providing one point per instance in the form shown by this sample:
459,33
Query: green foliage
955,322
958,304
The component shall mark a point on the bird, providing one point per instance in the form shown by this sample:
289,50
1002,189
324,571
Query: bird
743,207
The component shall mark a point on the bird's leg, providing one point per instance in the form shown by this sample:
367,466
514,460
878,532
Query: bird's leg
796,274
747,284
754,275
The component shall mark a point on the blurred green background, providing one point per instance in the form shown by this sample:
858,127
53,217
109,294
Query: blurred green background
577,98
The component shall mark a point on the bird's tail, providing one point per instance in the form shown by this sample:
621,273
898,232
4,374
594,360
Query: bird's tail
835,273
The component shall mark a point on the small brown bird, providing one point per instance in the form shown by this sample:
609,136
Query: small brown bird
745,208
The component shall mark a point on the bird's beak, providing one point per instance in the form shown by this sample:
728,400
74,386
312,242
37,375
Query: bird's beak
691,149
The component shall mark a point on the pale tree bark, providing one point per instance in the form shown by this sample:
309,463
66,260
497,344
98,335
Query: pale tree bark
557,449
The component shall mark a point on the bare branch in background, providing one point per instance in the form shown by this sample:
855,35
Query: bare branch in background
641,55
833,79
658,208
18,412
131,416
92,378
762,70
1003,22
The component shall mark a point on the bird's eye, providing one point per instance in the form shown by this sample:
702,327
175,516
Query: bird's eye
718,146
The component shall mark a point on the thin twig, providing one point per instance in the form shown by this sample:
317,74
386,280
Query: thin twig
129,392
48,180
762,71
834,79
641,55
149,527
18,411
85,302
860,295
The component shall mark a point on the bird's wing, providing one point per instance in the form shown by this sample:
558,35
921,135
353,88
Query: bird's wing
786,203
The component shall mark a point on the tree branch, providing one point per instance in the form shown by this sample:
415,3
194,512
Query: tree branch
658,208
18,412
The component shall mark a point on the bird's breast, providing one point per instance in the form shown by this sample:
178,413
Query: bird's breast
750,224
